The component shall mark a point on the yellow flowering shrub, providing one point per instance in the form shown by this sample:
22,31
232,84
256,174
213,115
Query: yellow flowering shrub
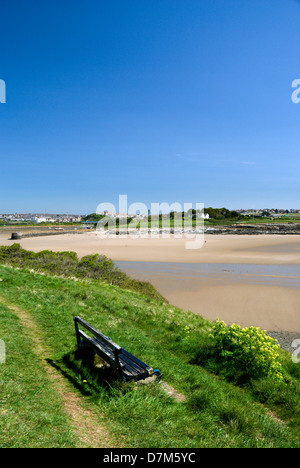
248,349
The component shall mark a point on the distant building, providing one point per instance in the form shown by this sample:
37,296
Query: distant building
203,215
39,219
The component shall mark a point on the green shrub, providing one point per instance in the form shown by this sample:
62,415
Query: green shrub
97,267
248,350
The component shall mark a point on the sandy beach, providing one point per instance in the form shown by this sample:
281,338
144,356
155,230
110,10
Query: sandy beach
264,249
232,298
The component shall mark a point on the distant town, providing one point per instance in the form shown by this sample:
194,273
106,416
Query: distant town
38,218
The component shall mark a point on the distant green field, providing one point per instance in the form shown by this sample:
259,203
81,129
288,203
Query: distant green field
188,222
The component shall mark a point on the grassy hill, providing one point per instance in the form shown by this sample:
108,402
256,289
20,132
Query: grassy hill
50,397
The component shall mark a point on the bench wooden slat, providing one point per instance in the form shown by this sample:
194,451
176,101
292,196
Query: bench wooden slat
98,334
135,359
96,342
134,372
134,376
106,354
129,366
132,364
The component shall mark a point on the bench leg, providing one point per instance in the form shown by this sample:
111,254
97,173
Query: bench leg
118,365
79,342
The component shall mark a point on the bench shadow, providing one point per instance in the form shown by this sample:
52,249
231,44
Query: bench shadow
84,371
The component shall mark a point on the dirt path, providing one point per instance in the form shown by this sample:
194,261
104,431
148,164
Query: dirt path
87,428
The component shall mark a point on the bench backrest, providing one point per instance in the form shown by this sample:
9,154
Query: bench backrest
108,342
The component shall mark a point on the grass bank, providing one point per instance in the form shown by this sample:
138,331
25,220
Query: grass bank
67,264
217,411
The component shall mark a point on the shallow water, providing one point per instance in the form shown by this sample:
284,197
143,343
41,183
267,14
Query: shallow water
274,275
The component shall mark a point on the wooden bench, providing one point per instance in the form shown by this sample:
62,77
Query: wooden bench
128,366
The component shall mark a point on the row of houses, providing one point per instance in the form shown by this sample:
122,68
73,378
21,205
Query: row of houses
121,215
40,218
272,211
57,219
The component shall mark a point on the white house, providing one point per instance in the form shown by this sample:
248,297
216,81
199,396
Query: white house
38,219
203,215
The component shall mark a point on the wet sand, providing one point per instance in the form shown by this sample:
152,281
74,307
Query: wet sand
240,294
232,298
261,249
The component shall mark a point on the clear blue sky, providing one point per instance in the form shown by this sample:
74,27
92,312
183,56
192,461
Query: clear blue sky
162,100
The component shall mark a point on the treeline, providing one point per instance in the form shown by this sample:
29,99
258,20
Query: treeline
94,218
222,213
214,213
67,264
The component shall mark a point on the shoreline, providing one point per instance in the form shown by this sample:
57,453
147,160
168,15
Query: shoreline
271,307
229,248
237,229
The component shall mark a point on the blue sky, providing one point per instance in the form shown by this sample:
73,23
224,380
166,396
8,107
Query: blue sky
165,101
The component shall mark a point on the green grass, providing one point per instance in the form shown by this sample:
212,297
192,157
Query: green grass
255,220
217,412
30,409
189,223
